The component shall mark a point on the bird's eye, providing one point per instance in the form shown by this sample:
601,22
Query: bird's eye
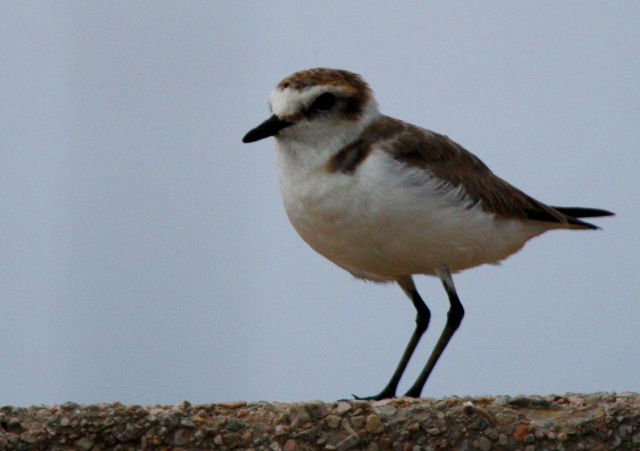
324,102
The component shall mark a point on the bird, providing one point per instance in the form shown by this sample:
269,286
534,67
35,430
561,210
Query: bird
387,200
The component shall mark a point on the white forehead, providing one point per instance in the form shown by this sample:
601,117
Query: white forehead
288,101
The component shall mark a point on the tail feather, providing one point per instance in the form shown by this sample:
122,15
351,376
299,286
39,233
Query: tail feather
577,212
567,215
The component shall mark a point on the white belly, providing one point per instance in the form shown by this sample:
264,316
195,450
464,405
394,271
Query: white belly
386,221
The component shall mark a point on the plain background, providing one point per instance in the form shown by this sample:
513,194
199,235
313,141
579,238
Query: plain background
145,255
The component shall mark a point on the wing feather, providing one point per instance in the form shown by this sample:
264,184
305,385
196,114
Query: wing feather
455,166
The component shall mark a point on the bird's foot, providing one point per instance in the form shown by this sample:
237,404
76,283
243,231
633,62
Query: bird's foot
384,394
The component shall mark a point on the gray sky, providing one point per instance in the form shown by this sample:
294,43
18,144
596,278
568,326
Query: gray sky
146,255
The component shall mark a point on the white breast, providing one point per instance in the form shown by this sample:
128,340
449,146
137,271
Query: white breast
388,220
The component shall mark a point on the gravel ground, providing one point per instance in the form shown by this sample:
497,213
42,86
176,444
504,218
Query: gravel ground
599,421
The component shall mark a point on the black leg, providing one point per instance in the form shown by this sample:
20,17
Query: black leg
454,318
422,322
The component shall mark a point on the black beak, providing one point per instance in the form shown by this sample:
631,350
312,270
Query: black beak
268,128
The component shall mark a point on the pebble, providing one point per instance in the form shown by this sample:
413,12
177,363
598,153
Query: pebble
529,402
342,408
188,423
361,404
83,444
28,437
357,421
333,421
299,416
484,444
291,445
69,405
374,424
181,437
491,433
520,432
501,401
385,412
317,409
349,442
13,438
232,404
231,424
577,400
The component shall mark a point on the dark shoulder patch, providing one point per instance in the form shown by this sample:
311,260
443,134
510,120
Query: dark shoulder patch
352,155
349,157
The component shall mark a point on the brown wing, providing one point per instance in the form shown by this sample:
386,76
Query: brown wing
455,166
